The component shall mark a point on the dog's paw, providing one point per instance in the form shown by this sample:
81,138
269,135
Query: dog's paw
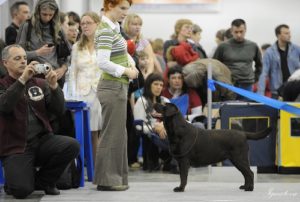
247,187
178,189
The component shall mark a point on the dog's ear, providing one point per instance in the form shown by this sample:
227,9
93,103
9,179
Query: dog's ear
171,109
158,107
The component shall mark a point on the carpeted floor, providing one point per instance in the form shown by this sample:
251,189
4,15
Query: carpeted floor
209,184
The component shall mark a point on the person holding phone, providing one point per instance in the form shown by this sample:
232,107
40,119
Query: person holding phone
40,36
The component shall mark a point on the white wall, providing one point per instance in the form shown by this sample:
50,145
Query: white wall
80,6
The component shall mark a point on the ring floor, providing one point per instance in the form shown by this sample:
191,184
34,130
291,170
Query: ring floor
206,184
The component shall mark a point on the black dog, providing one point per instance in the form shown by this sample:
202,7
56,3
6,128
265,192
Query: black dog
195,147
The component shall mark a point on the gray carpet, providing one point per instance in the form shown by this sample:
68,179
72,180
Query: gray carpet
195,191
210,184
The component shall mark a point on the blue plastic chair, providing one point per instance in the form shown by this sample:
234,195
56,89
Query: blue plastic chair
182,102
83,136
1,174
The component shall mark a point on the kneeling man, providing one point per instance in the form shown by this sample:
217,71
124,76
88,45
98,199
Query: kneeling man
26,137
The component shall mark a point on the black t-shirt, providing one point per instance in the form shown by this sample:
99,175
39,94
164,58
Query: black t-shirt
11,33
284,64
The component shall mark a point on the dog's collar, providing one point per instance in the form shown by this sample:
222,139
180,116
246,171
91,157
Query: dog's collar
185,153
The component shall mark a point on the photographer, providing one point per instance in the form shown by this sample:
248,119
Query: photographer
26,137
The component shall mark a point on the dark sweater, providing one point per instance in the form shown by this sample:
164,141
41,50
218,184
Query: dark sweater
239,57
14,101
11,33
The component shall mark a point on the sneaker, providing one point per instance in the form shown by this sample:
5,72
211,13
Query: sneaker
135,165
112,188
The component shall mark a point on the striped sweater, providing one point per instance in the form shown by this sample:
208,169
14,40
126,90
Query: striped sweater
106,38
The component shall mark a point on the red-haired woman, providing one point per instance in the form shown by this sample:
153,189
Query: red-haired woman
111,167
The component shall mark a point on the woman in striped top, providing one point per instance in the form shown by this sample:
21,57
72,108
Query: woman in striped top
111,167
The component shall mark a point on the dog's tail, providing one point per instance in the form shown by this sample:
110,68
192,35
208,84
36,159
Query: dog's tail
259,135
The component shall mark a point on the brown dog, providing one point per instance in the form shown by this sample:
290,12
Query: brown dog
195,147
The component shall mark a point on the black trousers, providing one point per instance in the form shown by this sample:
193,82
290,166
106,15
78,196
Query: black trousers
133,137
50,153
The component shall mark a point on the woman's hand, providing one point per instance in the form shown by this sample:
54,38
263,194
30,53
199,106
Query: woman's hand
61,71
160,130
131,72
44,50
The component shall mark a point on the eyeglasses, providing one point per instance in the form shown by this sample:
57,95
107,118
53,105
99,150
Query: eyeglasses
73,30
86,23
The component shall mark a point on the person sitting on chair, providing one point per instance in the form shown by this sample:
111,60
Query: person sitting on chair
26,137
177,90
151,127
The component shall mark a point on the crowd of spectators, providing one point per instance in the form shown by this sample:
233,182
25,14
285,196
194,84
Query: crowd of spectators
104,60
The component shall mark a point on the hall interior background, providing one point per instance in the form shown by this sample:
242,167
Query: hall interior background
261,17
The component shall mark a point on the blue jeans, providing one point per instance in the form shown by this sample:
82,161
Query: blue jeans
163,144
244,86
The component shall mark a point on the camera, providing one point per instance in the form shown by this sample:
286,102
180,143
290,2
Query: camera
42,68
